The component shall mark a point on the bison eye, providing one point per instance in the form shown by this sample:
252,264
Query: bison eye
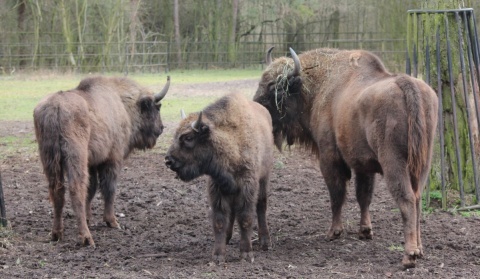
188,140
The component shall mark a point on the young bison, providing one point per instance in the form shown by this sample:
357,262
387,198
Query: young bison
231,140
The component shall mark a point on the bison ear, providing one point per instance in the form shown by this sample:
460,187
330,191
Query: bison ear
294,84
146,104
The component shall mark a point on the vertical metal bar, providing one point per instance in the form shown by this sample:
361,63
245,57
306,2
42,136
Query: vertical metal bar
427,76
415,60
454,110
3,213
468,29
407,66
475,44
465,95
427,62
440,121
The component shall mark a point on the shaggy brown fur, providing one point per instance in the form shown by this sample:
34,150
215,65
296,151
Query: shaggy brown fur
231,142
355,115
84,135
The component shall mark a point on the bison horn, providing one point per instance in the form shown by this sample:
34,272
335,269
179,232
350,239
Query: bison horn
196,124
296,61
159,96
182,113
268,57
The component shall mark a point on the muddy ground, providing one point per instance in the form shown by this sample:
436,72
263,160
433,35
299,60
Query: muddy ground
167,234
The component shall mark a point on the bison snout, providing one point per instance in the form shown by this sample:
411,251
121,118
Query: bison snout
172,163
168,161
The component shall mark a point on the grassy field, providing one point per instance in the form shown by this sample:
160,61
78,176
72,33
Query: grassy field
20,93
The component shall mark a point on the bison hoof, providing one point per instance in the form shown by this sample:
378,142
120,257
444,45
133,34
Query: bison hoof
87,241
265,243
408,261
410,257
57,236
113,224
247,256
219,259
334,234
365,233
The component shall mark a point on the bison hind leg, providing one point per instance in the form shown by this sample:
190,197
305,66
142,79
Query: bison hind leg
364,185
92,189
263,232
56,189
108,178
57,195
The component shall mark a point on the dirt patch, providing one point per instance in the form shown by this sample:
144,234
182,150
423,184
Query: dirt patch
167,234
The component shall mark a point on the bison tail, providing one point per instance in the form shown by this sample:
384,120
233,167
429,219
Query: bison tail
418,141
49,138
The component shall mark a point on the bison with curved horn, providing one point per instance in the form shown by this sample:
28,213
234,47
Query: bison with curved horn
84,134
354,115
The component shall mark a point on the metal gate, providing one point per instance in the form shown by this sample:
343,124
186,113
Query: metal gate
443,49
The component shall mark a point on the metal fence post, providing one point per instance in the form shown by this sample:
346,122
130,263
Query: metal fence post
3,213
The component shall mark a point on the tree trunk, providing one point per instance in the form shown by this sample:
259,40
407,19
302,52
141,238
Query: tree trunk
233,34
22,50
134,4
81,12
176,19
67,34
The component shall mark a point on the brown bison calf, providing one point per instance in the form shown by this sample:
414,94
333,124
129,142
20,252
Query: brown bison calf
84,135
231,141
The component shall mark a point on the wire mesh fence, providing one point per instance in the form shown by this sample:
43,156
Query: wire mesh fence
158,56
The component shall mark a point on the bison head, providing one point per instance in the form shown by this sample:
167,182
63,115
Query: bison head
279,91
150,126
190,154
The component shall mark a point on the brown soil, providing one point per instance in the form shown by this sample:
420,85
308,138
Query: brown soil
167,234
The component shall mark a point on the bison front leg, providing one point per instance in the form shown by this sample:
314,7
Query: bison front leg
108,181
263,232
220,222
364,190
231,222
245,222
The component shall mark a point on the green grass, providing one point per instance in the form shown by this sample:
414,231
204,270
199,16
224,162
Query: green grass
20,94
468,214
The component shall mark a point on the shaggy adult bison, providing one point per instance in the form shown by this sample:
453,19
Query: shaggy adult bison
353,114
84,134
231,141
